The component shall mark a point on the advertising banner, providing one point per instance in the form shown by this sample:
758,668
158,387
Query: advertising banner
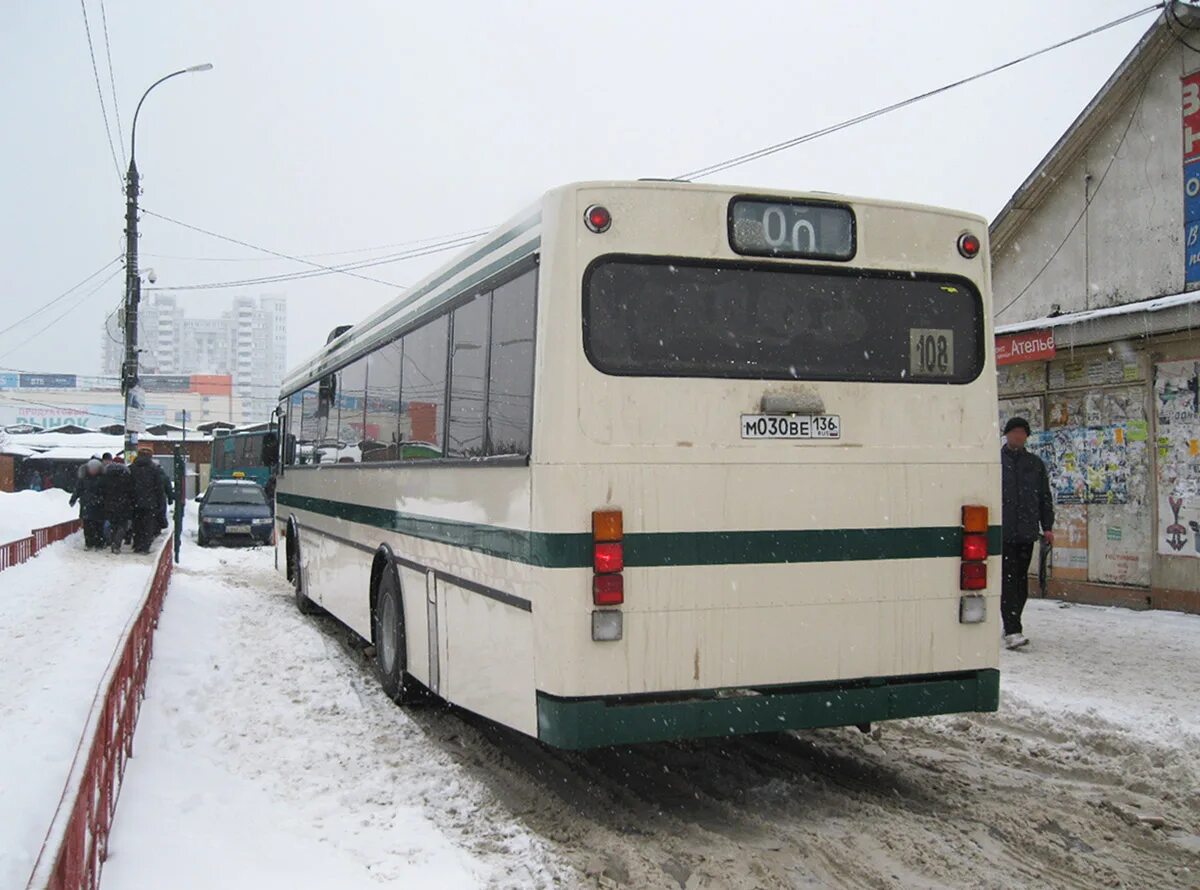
167,382
47,381
1027,346
1191,176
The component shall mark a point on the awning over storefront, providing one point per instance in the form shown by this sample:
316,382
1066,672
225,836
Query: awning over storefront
1162,315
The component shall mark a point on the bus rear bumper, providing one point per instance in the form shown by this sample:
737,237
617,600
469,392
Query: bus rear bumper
592,722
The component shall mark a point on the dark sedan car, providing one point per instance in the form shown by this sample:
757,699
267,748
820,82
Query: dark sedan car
235,511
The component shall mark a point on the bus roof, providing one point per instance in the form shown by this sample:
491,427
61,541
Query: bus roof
506,246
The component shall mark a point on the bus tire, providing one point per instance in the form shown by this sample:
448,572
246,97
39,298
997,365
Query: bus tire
296,576
387,631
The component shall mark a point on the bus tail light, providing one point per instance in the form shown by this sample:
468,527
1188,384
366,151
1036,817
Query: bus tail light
974,547
973,576
607,525
597,218
975,519
608,558
972,573
607,625
608,590
608,584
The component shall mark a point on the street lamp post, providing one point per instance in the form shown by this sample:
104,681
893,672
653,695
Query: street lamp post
133,283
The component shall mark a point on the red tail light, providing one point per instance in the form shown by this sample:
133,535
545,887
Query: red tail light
974,547
608,557
608,561
608,590
973,576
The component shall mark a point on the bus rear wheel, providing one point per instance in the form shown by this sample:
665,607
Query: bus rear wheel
391,651
303,603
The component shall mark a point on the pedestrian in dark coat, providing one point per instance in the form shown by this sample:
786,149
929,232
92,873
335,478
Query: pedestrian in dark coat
1028,516
90,495
118,502
168,495
149,500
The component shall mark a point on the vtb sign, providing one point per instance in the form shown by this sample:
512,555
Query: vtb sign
1191,177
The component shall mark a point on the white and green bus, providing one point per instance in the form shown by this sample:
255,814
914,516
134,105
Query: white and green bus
658,460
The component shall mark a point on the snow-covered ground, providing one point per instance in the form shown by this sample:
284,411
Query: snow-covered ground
1134,672
23,511
62,615
267,757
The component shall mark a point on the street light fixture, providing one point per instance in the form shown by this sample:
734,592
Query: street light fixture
133,283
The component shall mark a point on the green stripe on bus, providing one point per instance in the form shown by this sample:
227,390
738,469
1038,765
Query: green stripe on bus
561,550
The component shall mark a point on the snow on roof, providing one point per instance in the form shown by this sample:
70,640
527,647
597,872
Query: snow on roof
65,452
192,436
95,441
1158,304
16,450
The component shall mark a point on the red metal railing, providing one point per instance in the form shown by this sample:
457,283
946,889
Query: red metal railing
22,549
77,843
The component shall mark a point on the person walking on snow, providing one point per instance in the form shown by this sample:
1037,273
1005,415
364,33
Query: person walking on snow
90,494
118,502
149,500
1027,505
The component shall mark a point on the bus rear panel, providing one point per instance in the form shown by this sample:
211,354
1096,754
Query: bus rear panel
791,444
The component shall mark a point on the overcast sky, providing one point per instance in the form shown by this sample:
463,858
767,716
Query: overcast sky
338,126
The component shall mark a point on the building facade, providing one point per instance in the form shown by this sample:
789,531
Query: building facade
247,342
1096,261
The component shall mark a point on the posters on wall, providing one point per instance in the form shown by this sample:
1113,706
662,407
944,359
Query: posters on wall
1177,402
1029,407
1070,558
1028,377
1088,465
1096,449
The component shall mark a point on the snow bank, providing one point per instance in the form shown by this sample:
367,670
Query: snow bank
1133,671
23,511
62,615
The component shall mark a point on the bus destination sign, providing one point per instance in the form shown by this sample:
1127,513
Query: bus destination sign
782,228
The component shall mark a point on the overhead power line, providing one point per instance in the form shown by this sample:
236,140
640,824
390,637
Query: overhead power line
317,273
64,314
99,91
746,158
61,296
472,233
112,82
267,249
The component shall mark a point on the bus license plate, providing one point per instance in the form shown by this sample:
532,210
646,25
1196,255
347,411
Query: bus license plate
791,426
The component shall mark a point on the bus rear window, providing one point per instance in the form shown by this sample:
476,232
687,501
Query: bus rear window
687,318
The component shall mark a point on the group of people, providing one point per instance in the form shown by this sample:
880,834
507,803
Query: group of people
122,504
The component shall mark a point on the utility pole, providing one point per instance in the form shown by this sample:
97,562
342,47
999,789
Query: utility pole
133,297
133,282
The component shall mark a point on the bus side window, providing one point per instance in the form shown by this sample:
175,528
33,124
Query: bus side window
510,387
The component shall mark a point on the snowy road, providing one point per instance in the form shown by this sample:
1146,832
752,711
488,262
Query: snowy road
268,757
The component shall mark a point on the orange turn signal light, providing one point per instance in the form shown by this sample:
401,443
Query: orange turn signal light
606,525
975,519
